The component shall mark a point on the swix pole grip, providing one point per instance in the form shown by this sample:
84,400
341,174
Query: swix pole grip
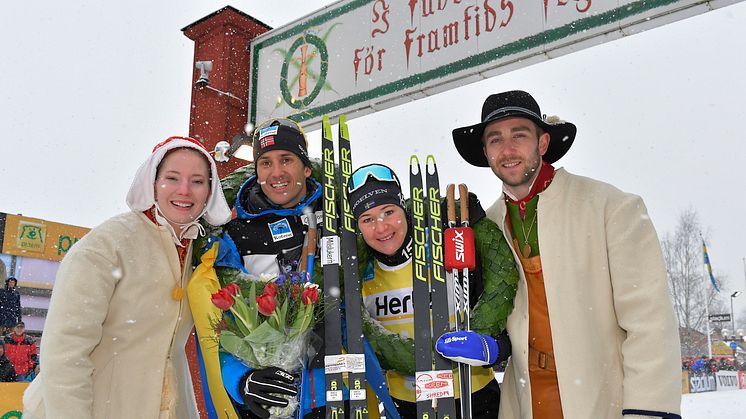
460,249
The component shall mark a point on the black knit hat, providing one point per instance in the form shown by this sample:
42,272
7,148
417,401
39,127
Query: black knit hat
373,185
516,103
280,134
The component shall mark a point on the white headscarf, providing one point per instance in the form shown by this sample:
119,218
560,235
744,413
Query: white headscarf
141,196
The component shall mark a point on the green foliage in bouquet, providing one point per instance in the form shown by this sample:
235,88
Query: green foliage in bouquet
254,325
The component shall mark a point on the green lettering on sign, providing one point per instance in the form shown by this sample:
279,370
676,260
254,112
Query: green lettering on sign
64,244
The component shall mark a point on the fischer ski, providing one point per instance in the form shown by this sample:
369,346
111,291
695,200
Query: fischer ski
446,407
423,349
434,387
338,252
353,297
330,262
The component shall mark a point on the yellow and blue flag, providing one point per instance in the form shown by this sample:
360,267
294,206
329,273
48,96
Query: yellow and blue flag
709,266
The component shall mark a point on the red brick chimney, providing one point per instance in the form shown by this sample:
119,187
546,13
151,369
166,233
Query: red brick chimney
220,106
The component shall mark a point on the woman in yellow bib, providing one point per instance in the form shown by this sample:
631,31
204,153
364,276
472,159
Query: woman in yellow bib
378,205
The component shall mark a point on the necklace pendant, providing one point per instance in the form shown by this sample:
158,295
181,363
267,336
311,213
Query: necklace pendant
177,293
526,250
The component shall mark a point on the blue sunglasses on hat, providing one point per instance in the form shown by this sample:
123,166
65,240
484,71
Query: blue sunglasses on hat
377,171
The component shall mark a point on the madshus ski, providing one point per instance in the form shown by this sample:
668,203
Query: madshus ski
336,363
434,378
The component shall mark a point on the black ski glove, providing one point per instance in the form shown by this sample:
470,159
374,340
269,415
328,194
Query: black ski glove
260,383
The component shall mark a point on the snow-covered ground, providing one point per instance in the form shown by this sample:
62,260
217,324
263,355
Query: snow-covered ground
708,405
714,404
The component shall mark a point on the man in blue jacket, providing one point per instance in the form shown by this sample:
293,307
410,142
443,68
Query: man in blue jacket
267,233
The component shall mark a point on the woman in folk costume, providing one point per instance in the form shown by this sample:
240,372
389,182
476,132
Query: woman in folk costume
118,320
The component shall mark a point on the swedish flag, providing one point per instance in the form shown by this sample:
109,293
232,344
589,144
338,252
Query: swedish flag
709,266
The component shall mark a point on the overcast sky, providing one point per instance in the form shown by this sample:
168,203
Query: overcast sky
88,87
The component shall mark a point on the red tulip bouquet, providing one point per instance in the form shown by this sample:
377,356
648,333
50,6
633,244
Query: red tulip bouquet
267,322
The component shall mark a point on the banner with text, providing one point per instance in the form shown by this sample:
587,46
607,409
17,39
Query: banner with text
727,380
699,383
36,238
361,56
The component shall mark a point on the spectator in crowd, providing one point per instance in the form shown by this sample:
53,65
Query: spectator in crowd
10,306
703,364
21,351
7,372
697,365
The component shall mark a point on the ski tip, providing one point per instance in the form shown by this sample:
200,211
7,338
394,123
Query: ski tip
343,130
414,165
430,163
326,127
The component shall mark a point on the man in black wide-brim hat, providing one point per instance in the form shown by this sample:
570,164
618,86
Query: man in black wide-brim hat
593,330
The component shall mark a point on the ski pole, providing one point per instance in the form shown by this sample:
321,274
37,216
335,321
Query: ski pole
463,196
455,256
460,259
309,246
451,209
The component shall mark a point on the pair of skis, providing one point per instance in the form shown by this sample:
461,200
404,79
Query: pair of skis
341,240
434,380
432,256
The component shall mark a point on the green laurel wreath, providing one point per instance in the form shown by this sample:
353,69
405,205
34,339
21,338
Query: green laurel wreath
489,315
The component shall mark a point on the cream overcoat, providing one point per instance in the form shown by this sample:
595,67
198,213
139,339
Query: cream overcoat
113,334
615,335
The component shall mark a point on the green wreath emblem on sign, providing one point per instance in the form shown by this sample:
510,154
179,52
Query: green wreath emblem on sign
317,42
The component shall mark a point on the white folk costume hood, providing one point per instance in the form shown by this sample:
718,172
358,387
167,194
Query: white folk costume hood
141,196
